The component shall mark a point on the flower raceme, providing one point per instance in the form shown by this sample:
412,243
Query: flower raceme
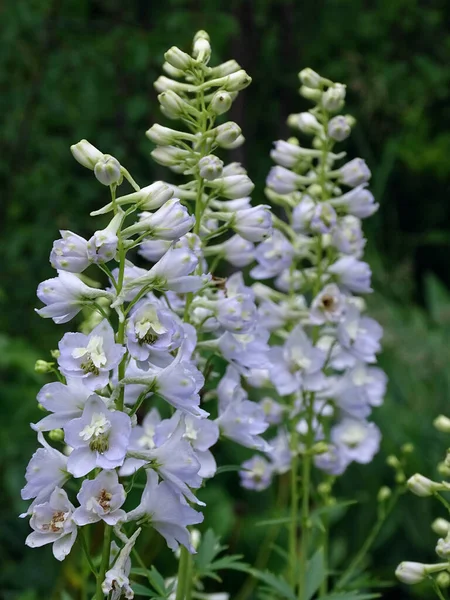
293,352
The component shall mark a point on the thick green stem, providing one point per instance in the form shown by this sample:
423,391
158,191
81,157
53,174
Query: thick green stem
293,521
99,595
184,575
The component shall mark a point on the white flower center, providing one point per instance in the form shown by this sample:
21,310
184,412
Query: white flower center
353,436
93,353
98,426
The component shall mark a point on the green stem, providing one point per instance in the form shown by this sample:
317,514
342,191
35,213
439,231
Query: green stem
99,595
184,572
85,545
294,517
346,576
324,585
306,484
437,589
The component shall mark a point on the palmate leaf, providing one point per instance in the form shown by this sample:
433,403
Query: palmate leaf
315,574
275,583
160,591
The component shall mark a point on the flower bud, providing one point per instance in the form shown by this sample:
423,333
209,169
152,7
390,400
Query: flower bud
42,366
407,448
56,435
442,423
422,486
443,579
355,172
392,461
237,81
384,493
443,469
306,122
333,98
441,527
310,93
173,105
227,134
170,156
226,68
201,49
86,154
443,547
164,84
233,186
338,128
107,170
411,572
172,71
310,78
210,167
55,353
221,102
320,448
178,59
163,136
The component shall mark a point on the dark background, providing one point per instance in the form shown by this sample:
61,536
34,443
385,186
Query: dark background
75,69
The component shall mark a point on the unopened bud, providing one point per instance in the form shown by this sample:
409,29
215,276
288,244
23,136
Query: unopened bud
56,353
324,488
42,366
442,423
443,469
306,122
384,493
422,486
163,136
210,167
178,59
333,98
392,461
310,78
237,81
226,68
56,435
227,134
320,448
172,105
172,71
107,170
411,572
443,579
310,93
338,128
221,102
441,527
86,154
407,448
443,547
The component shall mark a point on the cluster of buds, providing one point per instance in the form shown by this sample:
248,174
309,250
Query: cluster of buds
413,572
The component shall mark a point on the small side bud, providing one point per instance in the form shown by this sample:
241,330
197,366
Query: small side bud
201,49
411,572
237,81
333,98
338,128
320,448
442,423
441,527
407,448
310,93
392,461
178,59
443,580
226,68
210,167
310,78
56,435
443,469
86,154
221,102
384,493
422,486
173,105
227,134
107,170
42,366
443,547
306,122
55,353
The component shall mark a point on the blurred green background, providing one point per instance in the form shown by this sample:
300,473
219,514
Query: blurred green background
75,69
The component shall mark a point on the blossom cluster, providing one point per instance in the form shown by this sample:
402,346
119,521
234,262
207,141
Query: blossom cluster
166,335
320,366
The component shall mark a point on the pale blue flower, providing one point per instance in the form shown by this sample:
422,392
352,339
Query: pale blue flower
100,500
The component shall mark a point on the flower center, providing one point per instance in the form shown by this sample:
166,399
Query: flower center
57,522
93,355
97,433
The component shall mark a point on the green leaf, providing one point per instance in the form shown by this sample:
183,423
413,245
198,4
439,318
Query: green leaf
275,583
315,574
209,548
278,521
142,590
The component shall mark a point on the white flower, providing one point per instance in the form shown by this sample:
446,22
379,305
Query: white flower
100,499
